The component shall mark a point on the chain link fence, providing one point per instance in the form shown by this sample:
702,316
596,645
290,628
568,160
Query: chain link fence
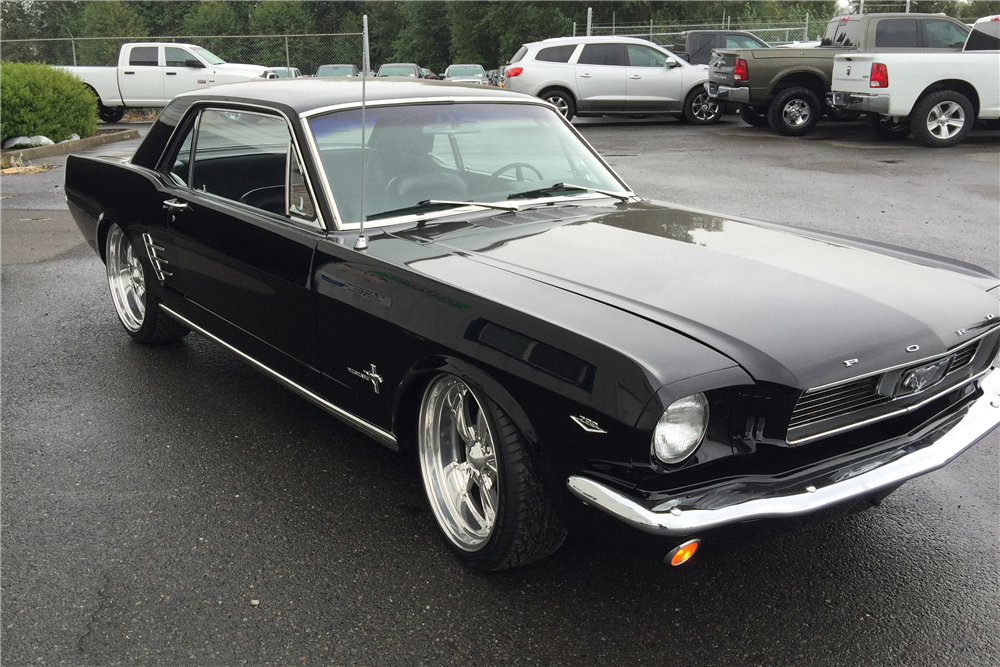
665,35
307,52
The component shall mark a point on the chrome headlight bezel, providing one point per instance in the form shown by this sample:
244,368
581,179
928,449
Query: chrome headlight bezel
680,429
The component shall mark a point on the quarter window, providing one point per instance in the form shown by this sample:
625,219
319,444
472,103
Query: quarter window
984,37
943,34
603,54
743,42
556,54
143,56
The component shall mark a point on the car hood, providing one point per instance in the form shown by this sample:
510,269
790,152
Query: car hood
240,68
789,305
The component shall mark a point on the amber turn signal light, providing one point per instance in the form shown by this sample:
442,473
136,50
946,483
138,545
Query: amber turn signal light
682,553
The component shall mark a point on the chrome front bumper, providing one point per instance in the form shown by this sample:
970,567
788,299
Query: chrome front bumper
728,93
859,102
864,479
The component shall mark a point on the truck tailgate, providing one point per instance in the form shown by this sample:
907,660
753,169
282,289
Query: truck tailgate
720,67
851,73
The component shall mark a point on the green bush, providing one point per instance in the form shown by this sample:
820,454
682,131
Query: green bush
38,99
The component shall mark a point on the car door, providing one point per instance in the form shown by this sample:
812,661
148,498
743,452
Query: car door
600,77
141,77
652,84
245,231
178,77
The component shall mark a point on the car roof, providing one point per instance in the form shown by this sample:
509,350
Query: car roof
591,40
305,94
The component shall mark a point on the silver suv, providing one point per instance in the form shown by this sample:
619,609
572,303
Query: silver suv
596,76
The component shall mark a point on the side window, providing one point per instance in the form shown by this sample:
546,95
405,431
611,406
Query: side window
896,33
556,54
443,152
181,169
742,42
243,157
602,54
700,46
940,34
643,56
143,56
984,37
175,57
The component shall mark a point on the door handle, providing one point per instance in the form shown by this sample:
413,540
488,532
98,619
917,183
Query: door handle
171,73
585,75
635,76
128,72
175,205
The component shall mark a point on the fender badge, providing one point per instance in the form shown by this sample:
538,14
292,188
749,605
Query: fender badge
372,376
850,362
913,348
588,425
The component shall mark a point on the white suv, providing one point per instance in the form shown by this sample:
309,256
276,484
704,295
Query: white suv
597,76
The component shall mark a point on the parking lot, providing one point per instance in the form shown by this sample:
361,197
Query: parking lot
172,506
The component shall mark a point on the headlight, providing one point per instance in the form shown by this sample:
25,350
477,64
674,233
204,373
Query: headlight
681,428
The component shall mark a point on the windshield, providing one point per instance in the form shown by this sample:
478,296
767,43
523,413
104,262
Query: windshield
481,152
396,70
343,70
208,56
465,70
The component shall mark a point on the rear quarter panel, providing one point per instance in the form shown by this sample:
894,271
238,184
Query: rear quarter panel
104,81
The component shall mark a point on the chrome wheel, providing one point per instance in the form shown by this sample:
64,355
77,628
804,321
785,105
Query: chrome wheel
945,120
126,280
458,460
704,108
560,103
796,112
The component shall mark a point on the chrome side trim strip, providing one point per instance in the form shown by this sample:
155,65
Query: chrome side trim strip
382,436
895,413
982,417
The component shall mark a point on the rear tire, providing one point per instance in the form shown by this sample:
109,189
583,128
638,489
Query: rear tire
562,101
794,112
701,109
110,114
138,308
750,116
887,129
942,119
486,497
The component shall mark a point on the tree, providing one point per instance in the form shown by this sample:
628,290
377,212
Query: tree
215,18
273,17
425,36
107,19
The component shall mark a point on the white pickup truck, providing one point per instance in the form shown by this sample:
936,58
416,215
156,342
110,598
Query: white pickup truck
936,96
150,74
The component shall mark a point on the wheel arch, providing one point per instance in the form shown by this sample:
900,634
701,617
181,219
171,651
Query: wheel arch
812,79
406,403
956,85
561,88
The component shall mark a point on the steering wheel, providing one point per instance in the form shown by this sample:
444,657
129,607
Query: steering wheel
519,173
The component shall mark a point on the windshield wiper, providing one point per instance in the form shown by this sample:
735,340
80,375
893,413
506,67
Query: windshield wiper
430,205
565,187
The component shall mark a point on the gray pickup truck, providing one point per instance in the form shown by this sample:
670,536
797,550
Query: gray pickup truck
786,88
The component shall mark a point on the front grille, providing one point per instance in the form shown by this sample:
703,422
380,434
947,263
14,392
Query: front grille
963,357
819,404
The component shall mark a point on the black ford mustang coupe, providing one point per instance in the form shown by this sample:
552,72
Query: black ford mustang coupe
456,272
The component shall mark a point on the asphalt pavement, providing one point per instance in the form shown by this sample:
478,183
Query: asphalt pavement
171,506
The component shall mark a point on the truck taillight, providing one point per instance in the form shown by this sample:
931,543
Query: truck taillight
879,77
740,70
513,71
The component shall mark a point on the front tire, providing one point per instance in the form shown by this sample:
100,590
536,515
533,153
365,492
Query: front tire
751,116
138,309
888,129
794,111
942,119
562,101
480,480
701,109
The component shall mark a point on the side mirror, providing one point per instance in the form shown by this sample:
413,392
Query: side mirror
685,56
191,62
672,62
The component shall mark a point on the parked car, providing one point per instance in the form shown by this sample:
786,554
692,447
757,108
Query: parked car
936,96
595,76
428,74
536,333
401,69
695,46
284,72
150,74
786,88
467,74
338,70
